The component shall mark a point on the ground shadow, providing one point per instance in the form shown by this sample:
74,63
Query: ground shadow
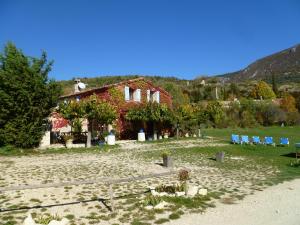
212,158
102,200
290,155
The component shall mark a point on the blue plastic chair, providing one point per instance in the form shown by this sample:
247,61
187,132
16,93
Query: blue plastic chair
256,140
244,139
284,141
269,141
235,139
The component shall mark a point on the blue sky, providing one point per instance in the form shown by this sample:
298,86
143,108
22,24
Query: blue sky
184,38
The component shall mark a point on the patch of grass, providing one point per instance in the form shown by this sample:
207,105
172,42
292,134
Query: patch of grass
138,222
151,200
174,216
70,216
295,163
190,203
13,151
46,219
35,200
161,221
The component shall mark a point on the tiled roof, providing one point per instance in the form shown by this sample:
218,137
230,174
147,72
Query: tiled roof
112,85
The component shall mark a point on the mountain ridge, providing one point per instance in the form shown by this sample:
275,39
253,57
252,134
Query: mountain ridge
284,65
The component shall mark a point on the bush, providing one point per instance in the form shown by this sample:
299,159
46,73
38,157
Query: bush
293,118
183,175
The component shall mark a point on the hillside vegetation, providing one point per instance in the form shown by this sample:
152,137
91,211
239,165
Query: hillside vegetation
281,70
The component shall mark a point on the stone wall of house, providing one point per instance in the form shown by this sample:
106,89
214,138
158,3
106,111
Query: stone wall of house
115,94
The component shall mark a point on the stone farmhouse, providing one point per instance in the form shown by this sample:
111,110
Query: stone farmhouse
124,95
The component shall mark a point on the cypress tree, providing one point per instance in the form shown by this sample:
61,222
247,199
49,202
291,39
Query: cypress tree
26,97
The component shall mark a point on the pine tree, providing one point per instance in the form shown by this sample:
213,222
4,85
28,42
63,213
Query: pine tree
274,84
26,97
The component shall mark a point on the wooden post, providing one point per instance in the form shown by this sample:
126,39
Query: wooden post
111,195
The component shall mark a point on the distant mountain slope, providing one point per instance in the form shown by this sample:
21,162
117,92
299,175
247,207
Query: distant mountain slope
285,65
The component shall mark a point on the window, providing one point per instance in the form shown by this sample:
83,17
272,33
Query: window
131,94
127,93
152,96
137,95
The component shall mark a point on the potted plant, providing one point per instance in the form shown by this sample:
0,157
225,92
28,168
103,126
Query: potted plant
68,138
167,159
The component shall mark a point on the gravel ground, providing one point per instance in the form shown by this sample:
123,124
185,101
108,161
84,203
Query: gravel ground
275,205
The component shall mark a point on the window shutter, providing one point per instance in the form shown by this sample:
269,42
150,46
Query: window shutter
148,95
138,95
127,96
157,96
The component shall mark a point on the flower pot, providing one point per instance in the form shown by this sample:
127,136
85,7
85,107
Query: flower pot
141,136
220,156
69,143
167,161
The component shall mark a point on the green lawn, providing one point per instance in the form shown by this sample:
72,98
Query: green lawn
293,133
245,167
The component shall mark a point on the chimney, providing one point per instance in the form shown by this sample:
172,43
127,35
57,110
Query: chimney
216,93
76,88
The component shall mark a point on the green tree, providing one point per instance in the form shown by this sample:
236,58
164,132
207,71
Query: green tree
177,94
73,111
93,109
26,97
152,112
262,90
97,110
215,113
160,115
274,84
185,116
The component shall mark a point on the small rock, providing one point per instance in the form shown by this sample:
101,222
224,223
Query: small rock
277,211
149,207
29,220
179,193
202,191
163,194
191,190
154,193
161,205
64,221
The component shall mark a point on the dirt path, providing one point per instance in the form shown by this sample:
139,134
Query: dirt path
275,205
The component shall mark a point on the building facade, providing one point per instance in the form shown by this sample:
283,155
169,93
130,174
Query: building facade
124,95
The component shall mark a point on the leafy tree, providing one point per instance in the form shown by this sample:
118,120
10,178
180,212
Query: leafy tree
93,109
288,103
185,116
262,90
159,115
234,90
26,97
73,111
215,112
297,99
274,84
271,114
177,94
99,111
152,112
